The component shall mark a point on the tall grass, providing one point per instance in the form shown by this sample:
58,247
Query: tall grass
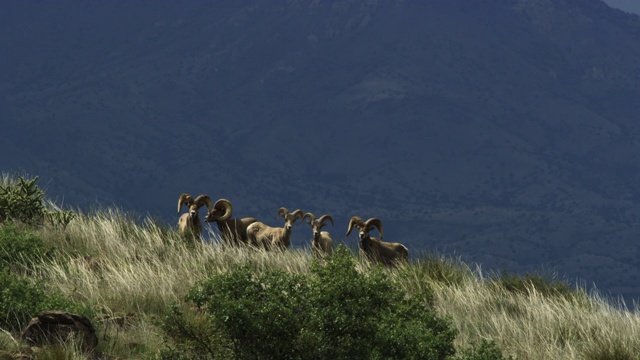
532,325
143,268
132,271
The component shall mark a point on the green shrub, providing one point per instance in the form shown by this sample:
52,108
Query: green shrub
23,201
364,316
19,248
20,301
259,314
335,312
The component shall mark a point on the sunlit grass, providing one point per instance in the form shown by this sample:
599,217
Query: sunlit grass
130,272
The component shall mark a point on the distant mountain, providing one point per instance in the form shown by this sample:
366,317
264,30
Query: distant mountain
630,6
503,131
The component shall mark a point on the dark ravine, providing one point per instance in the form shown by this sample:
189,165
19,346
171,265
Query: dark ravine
503,131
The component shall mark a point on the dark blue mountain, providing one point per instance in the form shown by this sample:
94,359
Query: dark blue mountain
503,131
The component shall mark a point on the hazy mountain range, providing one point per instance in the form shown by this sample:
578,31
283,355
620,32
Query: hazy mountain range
503,131
630,6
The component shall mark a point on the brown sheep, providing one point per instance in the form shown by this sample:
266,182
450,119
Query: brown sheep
321,243
374,249
268,237
233,231
190,222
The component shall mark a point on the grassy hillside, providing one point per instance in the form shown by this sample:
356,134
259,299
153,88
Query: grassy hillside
127,274
437,114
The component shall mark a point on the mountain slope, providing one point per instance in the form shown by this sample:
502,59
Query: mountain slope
504,131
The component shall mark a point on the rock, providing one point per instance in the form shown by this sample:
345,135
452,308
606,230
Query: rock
58,326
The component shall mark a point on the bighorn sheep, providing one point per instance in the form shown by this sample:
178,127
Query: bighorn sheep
233,231
374,249
321,243
191,220
268,237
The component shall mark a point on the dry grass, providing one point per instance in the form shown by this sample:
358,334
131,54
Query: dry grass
533,326
144,268
132,272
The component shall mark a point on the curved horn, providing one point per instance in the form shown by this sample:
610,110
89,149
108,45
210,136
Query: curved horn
184,199
324,218
310,216
223,205
282,212
204,199
355,220
297,214
374,222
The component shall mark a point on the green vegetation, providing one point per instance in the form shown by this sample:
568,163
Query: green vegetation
23,201
20,248
334,312
20,300
21,209
152,295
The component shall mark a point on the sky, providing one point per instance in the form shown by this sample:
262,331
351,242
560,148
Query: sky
631,6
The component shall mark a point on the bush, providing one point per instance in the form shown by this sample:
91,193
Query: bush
23,201
20,248
20,301
259,314
335,312
364,316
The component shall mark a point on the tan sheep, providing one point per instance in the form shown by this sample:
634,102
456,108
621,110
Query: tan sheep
232,231
321,243
376,250
190,222
267,237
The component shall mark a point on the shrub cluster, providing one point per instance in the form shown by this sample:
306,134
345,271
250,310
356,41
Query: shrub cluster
22,206
20,248
335,312
20,301
23,201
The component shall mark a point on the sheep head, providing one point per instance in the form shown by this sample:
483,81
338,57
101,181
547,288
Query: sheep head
289,217
317,224
364,227
194,204
220,211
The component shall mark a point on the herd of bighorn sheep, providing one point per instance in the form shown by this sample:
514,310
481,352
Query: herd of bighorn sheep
252,233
